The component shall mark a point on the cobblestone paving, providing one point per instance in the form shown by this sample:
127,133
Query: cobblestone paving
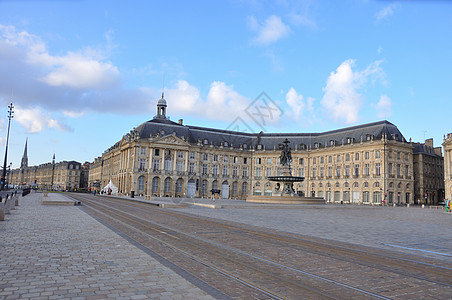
59,252
424,229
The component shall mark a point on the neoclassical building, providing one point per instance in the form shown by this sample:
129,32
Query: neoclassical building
447,145
63,175
361,164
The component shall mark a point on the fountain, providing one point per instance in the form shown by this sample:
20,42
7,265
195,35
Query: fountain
285,193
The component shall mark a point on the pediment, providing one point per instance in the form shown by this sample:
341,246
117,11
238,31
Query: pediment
170,140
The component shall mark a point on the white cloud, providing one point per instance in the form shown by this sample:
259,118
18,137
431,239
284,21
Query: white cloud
386,12
298,104
75,81
76,70
184,98
272,30
34,120
384,107
342,99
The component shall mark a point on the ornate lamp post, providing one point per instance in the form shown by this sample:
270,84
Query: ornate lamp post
3,178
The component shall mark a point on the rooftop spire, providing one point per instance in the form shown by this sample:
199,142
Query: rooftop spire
24,162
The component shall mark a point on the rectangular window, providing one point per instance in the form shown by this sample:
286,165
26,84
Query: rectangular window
179,166
215,170
330,171
168,165
398,155
205,156
399,171
338,158
180,154
192,155
366,197
314,160
142,164
367,169
191,167
258,172
269,172
236,159
330,159
245,172
377,154
357,170
338,171
321,172
269,161
143,150
366,155
301,161
215,157
406,171
204,169
235,171
258,161
301,172
347,170
225,158
390,154
356,156
157,152
314,172
244,161
390,169
377,169
225,170
156,164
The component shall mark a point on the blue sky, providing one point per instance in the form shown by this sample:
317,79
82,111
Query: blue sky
84,73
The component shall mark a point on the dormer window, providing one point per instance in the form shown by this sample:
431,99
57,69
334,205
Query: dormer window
332,142
226,144
349,140
302,146
245,146
259,147
205,141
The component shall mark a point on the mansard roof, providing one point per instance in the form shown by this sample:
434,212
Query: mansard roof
217,137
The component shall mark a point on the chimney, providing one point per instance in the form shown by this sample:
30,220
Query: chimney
181,121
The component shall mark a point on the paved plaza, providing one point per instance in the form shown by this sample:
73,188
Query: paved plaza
60,252
415,230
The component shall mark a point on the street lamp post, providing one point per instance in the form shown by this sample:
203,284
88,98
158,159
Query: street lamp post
3,178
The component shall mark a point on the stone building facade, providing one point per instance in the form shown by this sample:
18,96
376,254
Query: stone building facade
63,175
359,164
428,165
447,145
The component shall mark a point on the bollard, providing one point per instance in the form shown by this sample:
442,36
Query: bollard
2,213
6,206
12,206
393,205
16,202
408,205
422,205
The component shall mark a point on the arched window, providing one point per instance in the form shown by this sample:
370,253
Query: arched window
204,187
179,185
155,184
244,189
167,185
215,185
141,183
234,188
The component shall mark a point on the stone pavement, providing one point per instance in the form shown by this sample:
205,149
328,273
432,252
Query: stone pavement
421,231
60,252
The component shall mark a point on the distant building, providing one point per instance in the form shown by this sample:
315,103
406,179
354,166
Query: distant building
361,164
63,175
428,165
447,144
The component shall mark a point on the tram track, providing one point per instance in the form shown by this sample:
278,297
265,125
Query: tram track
269,275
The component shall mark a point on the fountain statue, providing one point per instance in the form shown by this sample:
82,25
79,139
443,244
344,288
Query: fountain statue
286,178
284,192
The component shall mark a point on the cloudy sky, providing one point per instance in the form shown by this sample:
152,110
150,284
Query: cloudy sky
82,74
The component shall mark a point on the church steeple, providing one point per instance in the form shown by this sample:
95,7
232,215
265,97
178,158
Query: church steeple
161,109
24,162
